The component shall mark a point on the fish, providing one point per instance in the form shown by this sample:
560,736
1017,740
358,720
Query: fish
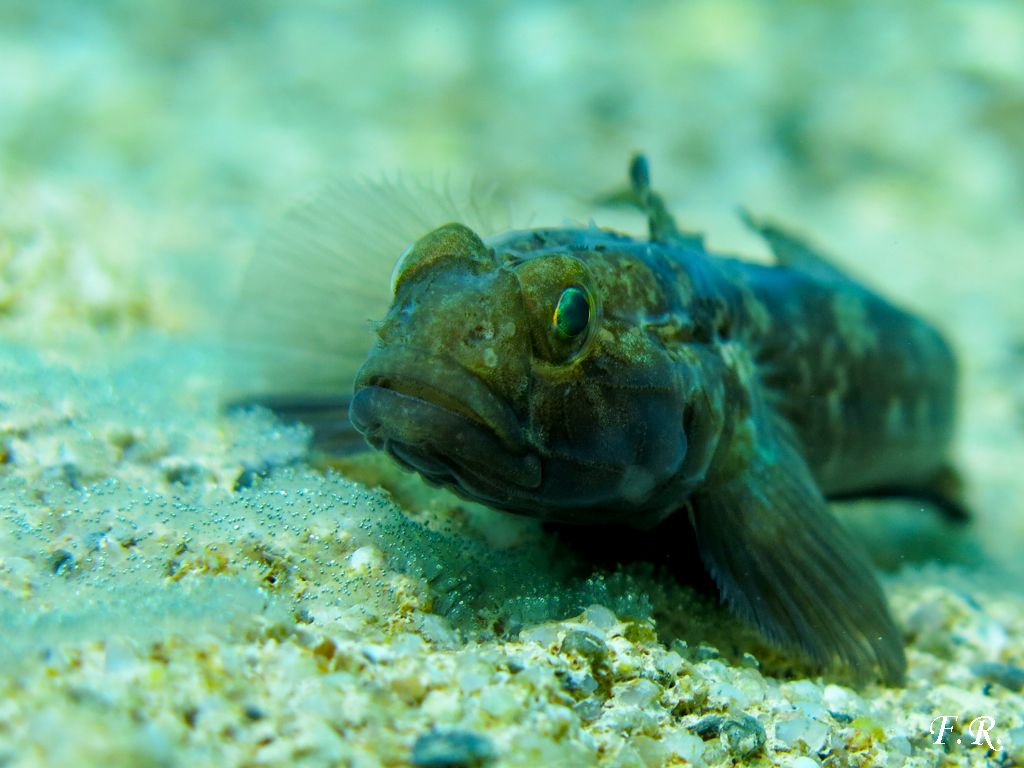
583,376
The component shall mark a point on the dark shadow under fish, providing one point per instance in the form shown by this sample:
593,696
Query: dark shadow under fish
586,377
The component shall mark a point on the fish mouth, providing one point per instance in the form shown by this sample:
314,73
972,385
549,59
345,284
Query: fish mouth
439,419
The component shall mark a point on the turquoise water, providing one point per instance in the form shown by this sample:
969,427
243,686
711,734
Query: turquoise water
180,586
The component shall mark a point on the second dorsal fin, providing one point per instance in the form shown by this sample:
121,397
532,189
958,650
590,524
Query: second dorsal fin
792,251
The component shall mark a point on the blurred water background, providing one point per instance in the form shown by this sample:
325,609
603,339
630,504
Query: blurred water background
146,147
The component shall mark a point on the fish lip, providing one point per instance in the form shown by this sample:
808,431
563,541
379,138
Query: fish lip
446,447
438,418
429,377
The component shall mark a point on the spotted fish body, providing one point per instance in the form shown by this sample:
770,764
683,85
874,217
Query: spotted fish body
583,376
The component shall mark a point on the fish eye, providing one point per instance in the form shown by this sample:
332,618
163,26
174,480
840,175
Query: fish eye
572,313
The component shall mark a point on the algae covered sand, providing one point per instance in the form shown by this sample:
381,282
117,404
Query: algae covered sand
181,586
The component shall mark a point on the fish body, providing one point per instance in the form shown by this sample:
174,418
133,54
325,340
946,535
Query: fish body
584,376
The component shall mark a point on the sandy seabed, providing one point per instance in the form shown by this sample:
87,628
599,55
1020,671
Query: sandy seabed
181,586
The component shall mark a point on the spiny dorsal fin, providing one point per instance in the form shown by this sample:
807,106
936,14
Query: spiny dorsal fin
639,194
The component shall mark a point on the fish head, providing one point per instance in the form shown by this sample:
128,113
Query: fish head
500,375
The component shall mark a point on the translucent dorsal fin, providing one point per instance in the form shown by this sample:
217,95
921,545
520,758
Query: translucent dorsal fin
303,322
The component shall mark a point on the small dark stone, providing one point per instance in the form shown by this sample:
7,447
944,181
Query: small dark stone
250,475
589,710
450,748
742,736
62,562
585,644
253,712
183,474
708,727
579,682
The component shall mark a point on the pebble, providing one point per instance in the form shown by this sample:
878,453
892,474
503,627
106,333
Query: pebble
586,644
685,745
841,700
812,733
366,559
452,749
500,703
639,692
544,635
579,681
589,710
653,753
442,705
708,726
438,631
668,663
600,618
727,695
742,736
899,745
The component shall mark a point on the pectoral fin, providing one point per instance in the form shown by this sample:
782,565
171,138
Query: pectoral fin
782,560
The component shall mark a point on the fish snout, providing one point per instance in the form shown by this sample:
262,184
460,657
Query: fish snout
438,418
